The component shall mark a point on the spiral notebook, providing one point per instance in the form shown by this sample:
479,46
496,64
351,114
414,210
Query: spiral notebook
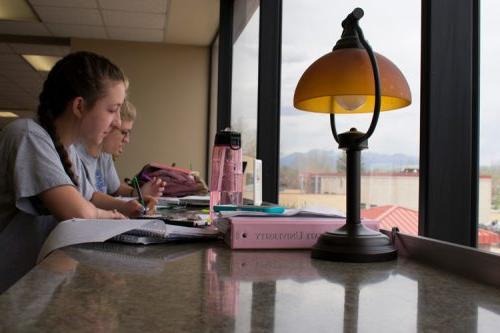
79,231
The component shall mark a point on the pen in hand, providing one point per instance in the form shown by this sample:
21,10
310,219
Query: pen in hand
135,184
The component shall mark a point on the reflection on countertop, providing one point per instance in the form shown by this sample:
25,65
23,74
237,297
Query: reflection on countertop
206,287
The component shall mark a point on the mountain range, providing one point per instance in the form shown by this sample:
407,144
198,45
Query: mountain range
326,161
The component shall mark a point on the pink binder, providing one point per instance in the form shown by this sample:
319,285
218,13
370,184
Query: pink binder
244,232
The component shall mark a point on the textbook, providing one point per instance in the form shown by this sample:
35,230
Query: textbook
275,232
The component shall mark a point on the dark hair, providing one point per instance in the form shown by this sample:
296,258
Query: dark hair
79,74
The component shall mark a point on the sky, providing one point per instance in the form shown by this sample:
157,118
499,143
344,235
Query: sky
393,28
489,145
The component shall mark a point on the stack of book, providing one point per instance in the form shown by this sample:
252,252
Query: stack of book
295,229
191,200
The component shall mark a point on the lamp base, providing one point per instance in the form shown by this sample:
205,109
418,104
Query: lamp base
354,243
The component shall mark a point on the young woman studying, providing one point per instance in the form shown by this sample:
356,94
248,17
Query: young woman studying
41,178
98,159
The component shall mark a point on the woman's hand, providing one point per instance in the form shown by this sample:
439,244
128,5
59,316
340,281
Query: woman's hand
154,187
133,208
150,204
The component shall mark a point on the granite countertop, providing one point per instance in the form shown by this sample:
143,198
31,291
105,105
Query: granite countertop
205,287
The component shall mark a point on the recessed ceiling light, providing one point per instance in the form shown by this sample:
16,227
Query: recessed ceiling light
8,114
16,10
41,63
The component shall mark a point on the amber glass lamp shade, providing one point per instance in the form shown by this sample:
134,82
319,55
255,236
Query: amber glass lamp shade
342,82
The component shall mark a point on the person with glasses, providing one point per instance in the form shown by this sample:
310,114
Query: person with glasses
99,165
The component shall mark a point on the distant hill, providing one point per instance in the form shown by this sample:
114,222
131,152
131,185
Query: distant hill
315,160
393,162
326,161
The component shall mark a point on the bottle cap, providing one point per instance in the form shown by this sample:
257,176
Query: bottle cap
228,138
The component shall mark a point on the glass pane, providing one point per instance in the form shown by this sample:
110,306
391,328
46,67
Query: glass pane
245,74
244,96
312,168
214,79
489,154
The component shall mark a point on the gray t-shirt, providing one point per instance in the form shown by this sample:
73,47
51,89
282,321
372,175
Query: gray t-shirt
29,166
101,171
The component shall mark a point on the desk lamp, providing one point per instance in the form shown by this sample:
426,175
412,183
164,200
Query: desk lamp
349,80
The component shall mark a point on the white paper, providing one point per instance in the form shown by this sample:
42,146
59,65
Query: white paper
78,231
198,200
165,201
195,200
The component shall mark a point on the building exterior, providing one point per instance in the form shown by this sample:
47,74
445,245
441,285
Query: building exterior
383,188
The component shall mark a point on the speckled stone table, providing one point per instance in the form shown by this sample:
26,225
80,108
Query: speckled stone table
205,287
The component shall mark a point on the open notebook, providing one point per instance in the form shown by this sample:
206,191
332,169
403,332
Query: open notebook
162,232
137,231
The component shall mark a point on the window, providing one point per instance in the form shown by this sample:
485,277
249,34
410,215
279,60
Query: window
245,73
489,180
212,122
312,168
244,90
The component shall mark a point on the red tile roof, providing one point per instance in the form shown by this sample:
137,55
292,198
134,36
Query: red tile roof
407,221
487,237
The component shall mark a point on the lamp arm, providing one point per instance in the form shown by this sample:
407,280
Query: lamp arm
334,128
376,77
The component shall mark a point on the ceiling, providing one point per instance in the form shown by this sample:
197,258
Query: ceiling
189,22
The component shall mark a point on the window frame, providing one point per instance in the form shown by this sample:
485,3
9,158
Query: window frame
449,126
225,68
269,95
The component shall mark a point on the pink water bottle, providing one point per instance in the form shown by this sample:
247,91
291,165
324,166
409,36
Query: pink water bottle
226,181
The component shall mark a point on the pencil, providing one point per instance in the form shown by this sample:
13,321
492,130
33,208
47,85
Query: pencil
135,183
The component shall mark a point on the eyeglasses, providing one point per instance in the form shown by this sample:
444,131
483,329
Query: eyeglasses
125,133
